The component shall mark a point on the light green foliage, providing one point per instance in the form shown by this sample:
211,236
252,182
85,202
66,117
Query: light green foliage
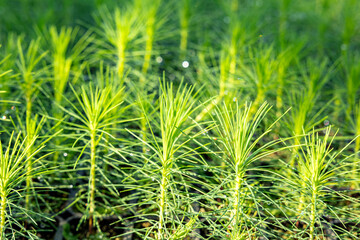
169,161
261,73
15,160
152,22
185,16
31,77
252,133
119,29
66,54
236,136
318,168
95,120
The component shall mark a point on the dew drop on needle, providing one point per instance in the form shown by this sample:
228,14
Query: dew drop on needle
185,64
159,59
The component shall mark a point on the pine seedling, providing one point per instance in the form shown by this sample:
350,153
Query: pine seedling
66,54
95,117
261,73
185,16
31,76
105,77
236,131
237,39
229,60
152,23
303,117
119,29
164,166
31,79
319,170
284,60
15,160
174,112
